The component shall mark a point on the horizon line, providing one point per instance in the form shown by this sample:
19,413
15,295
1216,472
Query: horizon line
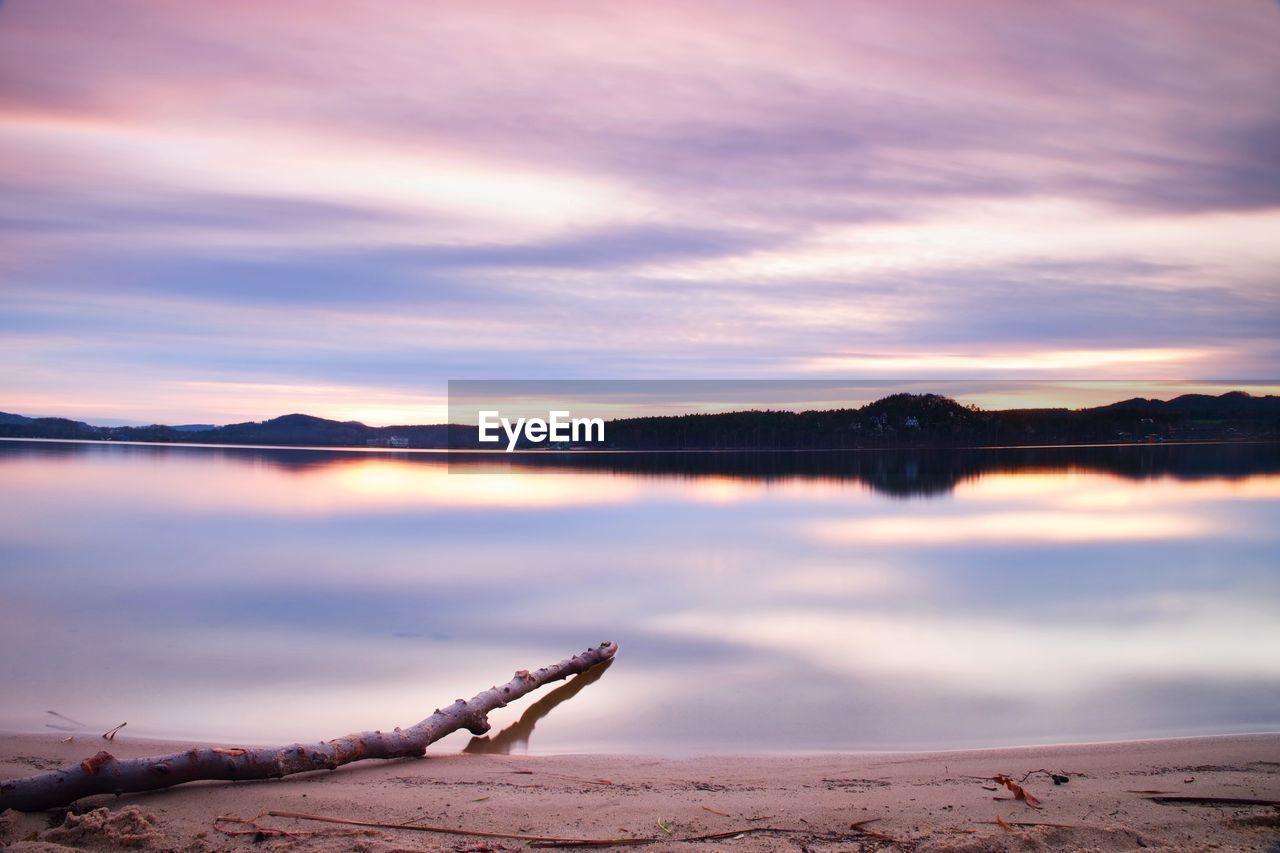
763,408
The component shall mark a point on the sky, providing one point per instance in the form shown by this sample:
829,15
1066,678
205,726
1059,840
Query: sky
224,211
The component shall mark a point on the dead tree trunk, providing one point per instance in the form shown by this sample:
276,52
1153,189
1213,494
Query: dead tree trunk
104,774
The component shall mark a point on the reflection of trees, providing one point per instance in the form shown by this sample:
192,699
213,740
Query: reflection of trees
901,473
516,735
925,473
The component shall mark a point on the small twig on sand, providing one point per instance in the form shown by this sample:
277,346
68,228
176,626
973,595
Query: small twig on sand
258,832
561,776
255,826
1213,801
111,735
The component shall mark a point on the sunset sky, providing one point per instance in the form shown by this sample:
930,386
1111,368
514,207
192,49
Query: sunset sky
225,211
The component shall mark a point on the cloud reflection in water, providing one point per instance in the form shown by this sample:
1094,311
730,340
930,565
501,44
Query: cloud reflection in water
267,595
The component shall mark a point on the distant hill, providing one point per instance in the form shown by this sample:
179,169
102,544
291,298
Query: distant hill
1230,404
899,420
287,430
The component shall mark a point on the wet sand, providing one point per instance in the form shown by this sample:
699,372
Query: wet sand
919,801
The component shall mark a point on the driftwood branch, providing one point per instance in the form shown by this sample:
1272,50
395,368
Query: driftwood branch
105,774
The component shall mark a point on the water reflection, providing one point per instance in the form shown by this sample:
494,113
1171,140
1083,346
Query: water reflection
901,473
920,473
1025,596
515,737
1011,527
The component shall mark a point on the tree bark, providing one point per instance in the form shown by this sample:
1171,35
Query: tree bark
104,774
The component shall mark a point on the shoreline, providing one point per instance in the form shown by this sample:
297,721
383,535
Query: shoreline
91,739
938,800
342,448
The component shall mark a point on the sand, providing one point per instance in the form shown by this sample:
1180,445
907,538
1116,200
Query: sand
919,801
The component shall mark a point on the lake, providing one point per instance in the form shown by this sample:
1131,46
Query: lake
766,602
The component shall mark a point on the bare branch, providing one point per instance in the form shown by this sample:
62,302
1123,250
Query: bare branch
105,774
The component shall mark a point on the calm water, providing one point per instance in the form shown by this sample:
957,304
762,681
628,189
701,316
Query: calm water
786,602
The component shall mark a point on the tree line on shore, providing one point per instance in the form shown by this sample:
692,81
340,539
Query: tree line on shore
900,420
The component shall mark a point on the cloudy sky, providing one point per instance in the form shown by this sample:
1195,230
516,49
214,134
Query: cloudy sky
220,211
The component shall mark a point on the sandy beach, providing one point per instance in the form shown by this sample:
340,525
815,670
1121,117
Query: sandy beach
916,801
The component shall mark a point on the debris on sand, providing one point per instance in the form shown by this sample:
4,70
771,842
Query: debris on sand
128,827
